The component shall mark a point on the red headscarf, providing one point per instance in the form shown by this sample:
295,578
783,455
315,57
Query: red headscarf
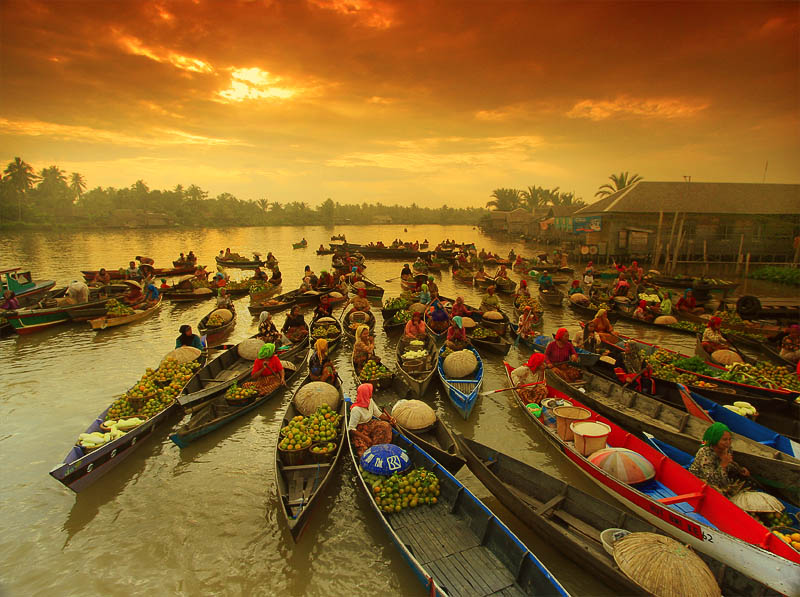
715,322
363,396
362,292
643,303
560,333
575,283
537,358
523,284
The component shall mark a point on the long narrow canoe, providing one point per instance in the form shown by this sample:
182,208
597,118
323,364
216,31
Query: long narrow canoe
701,352
638,412
333,340
240,264
572,520
217,412
417,381
34,319
220,330
458,546
158,272
491,344
273,304
108,321
681,505
463,393
81,468
437,337
440,443
301,483
552,297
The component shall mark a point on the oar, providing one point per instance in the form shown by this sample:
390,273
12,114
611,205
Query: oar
395,278
634,378
511,388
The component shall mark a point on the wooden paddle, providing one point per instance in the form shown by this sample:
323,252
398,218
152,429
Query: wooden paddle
535,383
393,279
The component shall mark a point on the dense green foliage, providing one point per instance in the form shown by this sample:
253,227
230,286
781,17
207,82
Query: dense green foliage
531,198
783,275
50,197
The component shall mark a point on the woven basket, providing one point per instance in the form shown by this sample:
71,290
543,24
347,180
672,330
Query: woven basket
358,317
411,365
293,457
313,457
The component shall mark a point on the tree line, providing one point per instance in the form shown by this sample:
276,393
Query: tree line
54,196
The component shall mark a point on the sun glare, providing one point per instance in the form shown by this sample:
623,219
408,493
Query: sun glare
254,83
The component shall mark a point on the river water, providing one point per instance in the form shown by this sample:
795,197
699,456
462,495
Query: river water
205,520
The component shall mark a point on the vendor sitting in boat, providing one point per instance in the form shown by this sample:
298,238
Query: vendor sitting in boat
480,274
259,274
438,317
622,286
666,304
532,372
305,285
528,319
560,353
688,304
501,273
714,462
415,327
164,286
133,272
187,338
546,282
587,338
368,426
360,302
642,312
267,372
457,335
267,332
433,288
151,293
790,345
461,309
522,292
134,294
10,301
364,347
604,328
276,277
325,307
575,288
325,279
295,326
320,366
713,339
223,300
101,278
191,257
490,301
424,295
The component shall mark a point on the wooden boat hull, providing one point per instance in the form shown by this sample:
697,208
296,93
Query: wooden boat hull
351,333
506,287
29,321
79,469
158,272
458,508
571,520
419,383
539,344
299,485
438,337
215,376
588,313
101,323
463,393
247,264
440,444
188,297
554,298
498,345
210,419
382,383
778,569
219,331
763,329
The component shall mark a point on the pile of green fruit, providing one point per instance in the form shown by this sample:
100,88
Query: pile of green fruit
258,286
687,325
373,370
328,448
396,303
401,317
234,285
762,374
394,494
324,331
527,301
215,321
159,387
321,426
240,394
117,309
198,283
482,332
776,519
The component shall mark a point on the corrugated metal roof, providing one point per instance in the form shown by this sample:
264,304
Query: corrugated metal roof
700,197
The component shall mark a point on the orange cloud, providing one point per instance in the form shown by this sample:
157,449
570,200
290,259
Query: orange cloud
366,12
627,106
135,46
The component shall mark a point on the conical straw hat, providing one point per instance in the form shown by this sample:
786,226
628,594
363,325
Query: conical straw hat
664,567
757,501
184,354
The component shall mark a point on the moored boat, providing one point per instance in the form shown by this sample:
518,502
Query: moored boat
158,272
572,521
539,344
439,443
217,331
551,296
441,547
418,374
26,290
463,393
680,504
301,245
437,336
488,340
240,263
139,312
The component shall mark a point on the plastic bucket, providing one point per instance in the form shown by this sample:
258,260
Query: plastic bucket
548,404
534,409
565,415
590,436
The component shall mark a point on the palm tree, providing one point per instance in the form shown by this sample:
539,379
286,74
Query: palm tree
21,176
505,199
263,204
77,184
620,182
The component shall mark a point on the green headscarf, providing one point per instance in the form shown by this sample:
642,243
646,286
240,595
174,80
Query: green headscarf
266,351
458,321
714,433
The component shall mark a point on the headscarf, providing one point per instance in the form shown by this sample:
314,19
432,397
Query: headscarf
714,322
266,351
164,280
360,330
642,304
458,321
714,433
264,317
184,328
686,292
536,360
363,396
415,314
523,284
560,333
424,288
459,300
320,346
354,269
575,283
601,313
362,292
430,278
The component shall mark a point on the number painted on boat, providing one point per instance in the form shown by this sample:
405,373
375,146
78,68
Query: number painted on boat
113,453
90,467
708,537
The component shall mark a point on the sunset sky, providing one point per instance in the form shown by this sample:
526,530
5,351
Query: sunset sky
437,102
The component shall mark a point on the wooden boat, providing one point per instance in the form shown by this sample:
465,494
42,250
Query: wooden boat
493,344
417,380
33,319
696,284
380,383
391,326
748,328
588,313
347,324
81,468
411,283
190,296
483,282
681,505
240,263
281,302
439,443
26,290
340,237
709,358
552,297
572,520
627,315
463,275
638,412
373,290
463,393
539,344
301,245
500,326
437,337
505,285
333,341
458,546
177,263
216,375
216,412
108,321
158,272
218,331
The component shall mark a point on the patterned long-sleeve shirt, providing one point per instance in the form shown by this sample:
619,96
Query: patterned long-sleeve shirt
707,466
